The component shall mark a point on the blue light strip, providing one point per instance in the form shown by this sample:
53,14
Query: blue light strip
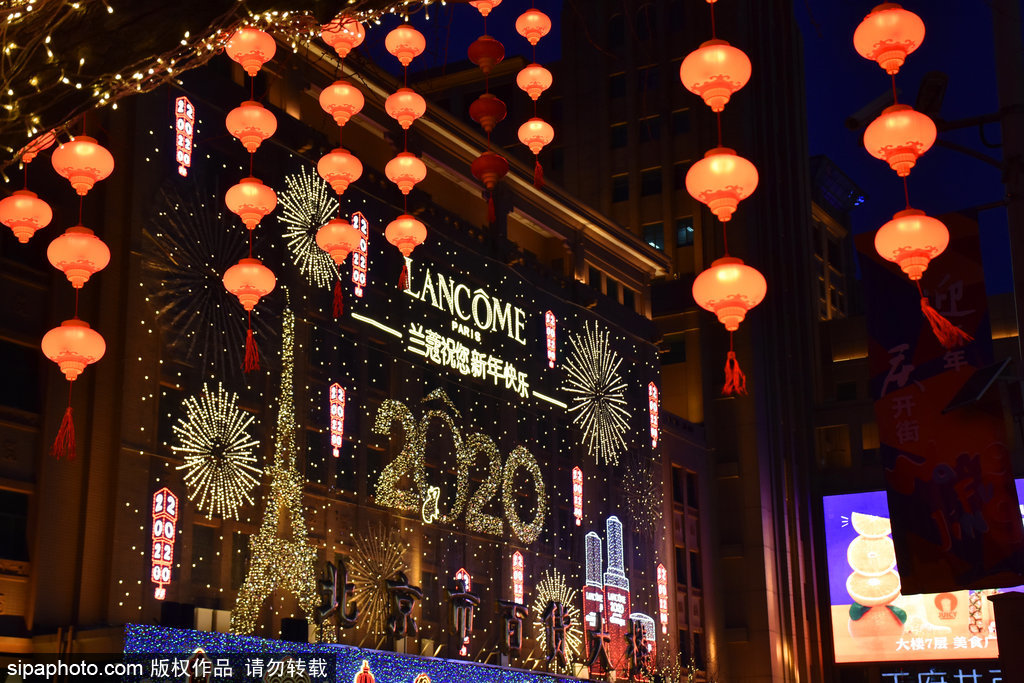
387,667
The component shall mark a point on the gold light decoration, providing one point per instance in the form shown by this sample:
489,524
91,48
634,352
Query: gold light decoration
597,388
387,493
220,468
285,562
553,588
527,532
641,488
379,554
307,204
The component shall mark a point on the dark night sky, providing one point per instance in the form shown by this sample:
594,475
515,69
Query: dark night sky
958,42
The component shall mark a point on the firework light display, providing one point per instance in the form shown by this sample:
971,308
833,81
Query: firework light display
306,203
220,468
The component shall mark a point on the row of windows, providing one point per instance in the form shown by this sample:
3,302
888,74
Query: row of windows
654,233
643,23
650,181
611,287
649,128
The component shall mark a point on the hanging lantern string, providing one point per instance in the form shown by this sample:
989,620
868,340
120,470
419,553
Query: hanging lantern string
725,238
711,7
718,118
906,191
81,199
25,166
895,99
76,304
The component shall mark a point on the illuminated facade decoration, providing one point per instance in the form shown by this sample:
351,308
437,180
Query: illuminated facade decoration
652,404
550,325
184,128
598,393
464,603
337,417
360,265
517,577
281,557
307,203
642,492
379,555
607,593
645,626
220,466
553,589
165,519
663,598
577,495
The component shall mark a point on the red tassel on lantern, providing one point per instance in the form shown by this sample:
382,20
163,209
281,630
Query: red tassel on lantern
64,445
538,174
492,215
338,303
735,380
403,279
252,354
948,334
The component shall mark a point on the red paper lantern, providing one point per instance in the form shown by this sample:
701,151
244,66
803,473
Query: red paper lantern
250,281
37,145
489,168
24,213
343,34
485,6
72,346
899,136
535,134
715,71
405,43
365,676
533,25
84,162
487,110
406,233
729,289
252,48
78,253
911,240
887,35
405,105
342,100
339,168
534,80
251,123
251,200
338,238
405,170
721,180
486,52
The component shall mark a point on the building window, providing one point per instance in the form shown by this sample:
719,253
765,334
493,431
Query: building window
654,235
612,289
691,489
695,573
13,526
649,78
594,278
681,567
698,651
650,128
629,298
650,182
679,170
684,647
684,231
617,86
679,485
620,135
620,187
681,122
617,31
675,353
646,18
20,388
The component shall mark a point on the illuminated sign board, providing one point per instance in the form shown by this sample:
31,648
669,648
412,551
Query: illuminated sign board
549,333
184,127
164,526
663,598
337,398
577,495
872,621
517,577
652,405
359,257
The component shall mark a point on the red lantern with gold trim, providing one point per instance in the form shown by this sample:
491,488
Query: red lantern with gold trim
84,162
342,101
899,136
405,170
486,52
251,123
405,43
252,48
405,105
343,34
79,254
721,180
887,35
24,213
715,71
340,168
251,200
534,79
533,25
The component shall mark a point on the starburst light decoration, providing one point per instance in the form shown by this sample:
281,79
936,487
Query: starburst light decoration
552,587
597,388
220,467
379,554
307,203
641,487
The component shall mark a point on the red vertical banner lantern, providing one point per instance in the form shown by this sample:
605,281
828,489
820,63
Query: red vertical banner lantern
663,598
163,531
360,265
550,325
184,130
577,495
517,577
652,405
337,417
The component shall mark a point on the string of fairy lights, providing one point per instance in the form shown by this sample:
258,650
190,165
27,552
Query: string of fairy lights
526,501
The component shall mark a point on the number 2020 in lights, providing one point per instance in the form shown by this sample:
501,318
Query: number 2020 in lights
425,497
165,517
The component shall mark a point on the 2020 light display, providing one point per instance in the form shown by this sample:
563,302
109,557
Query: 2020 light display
360,264
598,393
220,467
164,531
184,126
306,203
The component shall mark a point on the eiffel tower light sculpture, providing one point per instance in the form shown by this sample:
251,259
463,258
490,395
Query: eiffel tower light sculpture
280,556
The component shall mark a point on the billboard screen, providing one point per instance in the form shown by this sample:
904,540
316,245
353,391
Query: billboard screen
872,621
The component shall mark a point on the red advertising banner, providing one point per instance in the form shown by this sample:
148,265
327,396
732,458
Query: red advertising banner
949,479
